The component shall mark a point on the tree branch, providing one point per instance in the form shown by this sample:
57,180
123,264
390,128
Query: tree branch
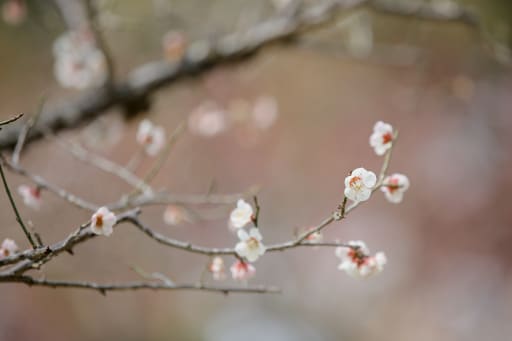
104,288
133,93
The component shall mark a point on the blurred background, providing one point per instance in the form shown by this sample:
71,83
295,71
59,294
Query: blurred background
444,85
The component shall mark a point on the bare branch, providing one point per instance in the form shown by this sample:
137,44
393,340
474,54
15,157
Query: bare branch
103,288
15,208
10,120
24,132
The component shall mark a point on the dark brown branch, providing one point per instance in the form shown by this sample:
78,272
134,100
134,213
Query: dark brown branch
15,208
103,288
133,93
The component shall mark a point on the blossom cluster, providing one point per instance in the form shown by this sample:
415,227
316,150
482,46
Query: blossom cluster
361,183
357,261
79,63
249,248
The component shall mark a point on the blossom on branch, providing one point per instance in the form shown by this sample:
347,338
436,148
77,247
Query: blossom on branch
217,269
151,136
359,184
394,187
382,137
241,215
242,271
357,262
250,245
8,248
103,221
31,196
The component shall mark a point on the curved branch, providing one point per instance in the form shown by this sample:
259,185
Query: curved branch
133,93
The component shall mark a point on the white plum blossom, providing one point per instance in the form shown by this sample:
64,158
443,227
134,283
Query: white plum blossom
8,248
359,184
242,271
31,196
79,63
175,215
264,112
207,120
250,245
217,269
357,262
103,221
381,138
394,187
151,136
241,215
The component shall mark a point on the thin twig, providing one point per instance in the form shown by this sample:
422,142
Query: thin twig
25,130
103,288
256,215
164,154
10,120
106,165
44,184
15,209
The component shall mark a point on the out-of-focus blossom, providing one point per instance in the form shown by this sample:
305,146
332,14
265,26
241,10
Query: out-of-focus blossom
103,221
250,245
207,120
31,196
79,63
217,269
359,184
394,187
8,248
382,137
242,271
174,44
241,215
175,215
265,112
357,262
14,12
151,136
